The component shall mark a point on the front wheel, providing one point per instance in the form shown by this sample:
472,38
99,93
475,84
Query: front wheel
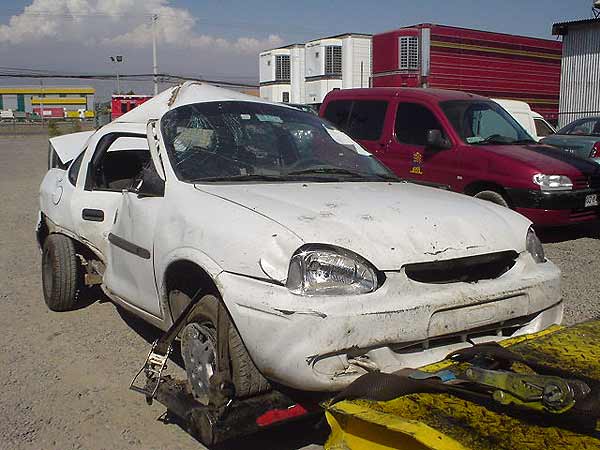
199,349
61,273
492,196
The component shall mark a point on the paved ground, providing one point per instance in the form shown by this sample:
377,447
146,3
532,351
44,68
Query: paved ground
65,376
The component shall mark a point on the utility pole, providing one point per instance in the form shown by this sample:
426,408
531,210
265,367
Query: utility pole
154,61
42,100
117,60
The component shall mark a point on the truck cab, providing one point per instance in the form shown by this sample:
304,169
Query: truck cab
469,144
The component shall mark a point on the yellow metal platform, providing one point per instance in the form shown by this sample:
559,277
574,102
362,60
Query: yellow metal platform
446,422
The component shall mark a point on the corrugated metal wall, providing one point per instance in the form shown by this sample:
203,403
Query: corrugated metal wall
580,80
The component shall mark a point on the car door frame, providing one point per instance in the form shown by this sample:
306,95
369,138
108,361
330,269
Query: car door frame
101,204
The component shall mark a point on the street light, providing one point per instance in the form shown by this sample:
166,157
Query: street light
118,59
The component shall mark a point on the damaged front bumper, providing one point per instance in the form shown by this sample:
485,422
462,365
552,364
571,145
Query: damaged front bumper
324,343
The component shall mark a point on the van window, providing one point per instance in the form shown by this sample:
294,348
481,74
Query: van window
541,128
337,113
366,119
361,119
483,122
412,123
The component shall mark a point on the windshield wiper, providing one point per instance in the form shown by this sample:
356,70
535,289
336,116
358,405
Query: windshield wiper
327,171
494,139
250,177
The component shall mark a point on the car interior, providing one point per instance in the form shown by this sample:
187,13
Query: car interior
118,162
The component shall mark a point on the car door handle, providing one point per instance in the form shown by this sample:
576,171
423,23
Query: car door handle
95,215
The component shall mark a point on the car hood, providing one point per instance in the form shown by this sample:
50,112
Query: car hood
579,145
545,158
390,224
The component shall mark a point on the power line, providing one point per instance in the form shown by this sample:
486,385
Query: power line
164,77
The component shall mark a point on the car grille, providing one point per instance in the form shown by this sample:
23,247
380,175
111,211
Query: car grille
497,330
586,182
470,269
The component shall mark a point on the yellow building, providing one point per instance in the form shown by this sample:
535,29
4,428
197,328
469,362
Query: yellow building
53,101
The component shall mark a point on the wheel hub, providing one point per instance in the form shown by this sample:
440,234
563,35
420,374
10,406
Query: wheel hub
198,348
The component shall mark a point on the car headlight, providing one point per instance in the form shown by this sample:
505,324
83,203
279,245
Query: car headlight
330,271
553,182
534,246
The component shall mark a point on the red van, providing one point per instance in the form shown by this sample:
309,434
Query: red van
469,144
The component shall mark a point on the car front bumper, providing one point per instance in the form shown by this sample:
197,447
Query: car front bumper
549,209
324,343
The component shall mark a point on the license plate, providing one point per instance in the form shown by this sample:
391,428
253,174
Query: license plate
591,200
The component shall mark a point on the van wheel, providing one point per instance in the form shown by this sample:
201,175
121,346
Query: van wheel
61,273
492,196
199,348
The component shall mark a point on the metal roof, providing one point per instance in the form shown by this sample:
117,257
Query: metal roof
562,28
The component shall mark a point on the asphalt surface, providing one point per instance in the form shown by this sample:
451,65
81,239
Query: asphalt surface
65,376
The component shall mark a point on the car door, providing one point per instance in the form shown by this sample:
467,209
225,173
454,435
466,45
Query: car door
95,199
407,153
130,268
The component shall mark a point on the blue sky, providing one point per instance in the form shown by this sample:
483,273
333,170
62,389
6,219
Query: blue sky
221,39
528,17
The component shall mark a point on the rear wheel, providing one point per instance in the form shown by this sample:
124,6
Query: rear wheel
61,273
199,349
492,196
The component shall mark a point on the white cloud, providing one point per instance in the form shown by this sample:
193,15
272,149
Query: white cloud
119,23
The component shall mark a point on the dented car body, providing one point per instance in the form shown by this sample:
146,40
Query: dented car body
327,265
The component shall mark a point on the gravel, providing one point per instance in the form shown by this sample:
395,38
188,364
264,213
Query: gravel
65,375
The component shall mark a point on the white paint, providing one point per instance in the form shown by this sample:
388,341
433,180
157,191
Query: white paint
522,113
244,235
68,146
308,81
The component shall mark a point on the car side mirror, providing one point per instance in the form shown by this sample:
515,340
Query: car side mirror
150,184
435,140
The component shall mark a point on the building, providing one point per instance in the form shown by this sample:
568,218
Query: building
337,62
123,103
487,63
580,80
52,101
305,73
281,74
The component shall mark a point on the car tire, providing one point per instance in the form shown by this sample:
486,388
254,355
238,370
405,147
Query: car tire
246,378
61,273
492,196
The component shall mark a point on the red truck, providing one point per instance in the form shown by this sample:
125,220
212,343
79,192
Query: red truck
494,65
469,144
122,103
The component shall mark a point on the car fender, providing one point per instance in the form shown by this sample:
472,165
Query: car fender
191,254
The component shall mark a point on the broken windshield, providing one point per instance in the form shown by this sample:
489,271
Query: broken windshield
484,122
249,141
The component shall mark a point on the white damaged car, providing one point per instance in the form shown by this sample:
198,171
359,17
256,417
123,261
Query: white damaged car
322,263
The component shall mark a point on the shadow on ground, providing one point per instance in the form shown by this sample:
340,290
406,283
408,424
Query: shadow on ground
285,437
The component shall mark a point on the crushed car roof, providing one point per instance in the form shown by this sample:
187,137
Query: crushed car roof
183,94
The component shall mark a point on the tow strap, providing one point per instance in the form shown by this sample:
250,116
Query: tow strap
221,391
482,373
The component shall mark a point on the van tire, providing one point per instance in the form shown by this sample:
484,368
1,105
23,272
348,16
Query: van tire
61,273
492,196
246,378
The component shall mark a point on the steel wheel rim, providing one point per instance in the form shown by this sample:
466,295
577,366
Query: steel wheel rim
198,348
